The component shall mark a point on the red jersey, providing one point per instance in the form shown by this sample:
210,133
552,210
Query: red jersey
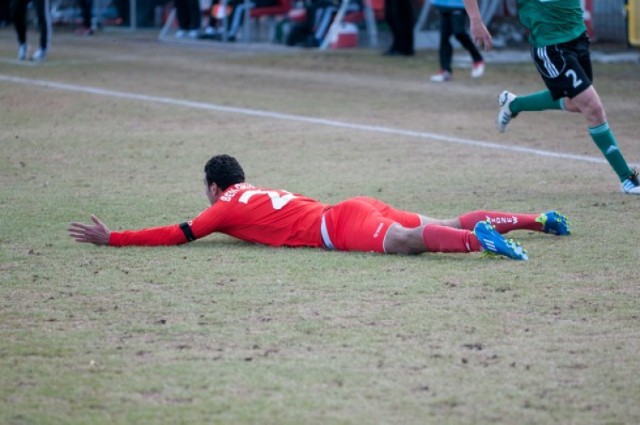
265,216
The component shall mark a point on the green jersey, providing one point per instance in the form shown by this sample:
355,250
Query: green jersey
551,21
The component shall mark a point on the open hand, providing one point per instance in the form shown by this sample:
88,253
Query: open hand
97,233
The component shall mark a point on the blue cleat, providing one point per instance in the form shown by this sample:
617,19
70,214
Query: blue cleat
494,243
555,223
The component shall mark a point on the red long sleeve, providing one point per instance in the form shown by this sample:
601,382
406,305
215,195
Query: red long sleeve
164,235
258,215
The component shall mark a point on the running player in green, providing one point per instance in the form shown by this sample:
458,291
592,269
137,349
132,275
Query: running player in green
560,51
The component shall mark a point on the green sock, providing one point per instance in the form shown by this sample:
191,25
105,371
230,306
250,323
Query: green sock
604,140
540,101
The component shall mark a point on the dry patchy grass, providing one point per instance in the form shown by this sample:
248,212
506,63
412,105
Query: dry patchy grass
224,332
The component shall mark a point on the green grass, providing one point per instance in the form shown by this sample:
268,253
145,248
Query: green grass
220,331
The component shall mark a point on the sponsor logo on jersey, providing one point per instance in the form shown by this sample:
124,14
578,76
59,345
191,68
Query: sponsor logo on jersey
377,232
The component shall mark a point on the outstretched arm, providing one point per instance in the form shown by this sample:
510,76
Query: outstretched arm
479,32
175,234
97,233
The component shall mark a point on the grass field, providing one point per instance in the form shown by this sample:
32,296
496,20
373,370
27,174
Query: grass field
220,331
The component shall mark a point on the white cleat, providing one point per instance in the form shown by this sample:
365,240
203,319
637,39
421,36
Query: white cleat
631,186
504,114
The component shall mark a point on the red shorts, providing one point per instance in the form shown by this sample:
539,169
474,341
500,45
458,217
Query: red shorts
361,224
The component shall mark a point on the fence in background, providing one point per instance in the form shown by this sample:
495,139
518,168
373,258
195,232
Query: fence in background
607,20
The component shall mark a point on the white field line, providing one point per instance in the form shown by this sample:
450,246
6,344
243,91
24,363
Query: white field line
301,118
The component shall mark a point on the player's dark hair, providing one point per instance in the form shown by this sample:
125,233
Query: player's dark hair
224,171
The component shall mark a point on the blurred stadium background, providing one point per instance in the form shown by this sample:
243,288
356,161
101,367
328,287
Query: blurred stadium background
610,21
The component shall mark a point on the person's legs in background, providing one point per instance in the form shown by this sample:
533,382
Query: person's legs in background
459,22
445,51
86,6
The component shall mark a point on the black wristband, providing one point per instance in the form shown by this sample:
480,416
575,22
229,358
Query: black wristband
186,229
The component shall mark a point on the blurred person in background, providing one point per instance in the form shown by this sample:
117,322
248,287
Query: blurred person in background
5,13
189,18
19,17
453,21
400,16
86,7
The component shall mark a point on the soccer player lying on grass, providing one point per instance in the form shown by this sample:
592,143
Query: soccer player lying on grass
280,218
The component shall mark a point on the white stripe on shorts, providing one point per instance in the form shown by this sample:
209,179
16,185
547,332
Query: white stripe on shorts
552,71
325,235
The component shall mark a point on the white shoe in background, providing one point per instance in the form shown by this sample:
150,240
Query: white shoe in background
477,69
39,55
22,52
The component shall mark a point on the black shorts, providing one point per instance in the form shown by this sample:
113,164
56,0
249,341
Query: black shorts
565,67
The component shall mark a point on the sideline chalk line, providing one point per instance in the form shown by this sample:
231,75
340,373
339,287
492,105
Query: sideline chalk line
300,118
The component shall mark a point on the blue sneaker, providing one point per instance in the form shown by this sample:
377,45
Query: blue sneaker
555,223
494,243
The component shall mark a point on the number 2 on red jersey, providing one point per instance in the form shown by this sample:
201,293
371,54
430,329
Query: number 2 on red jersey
278,200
